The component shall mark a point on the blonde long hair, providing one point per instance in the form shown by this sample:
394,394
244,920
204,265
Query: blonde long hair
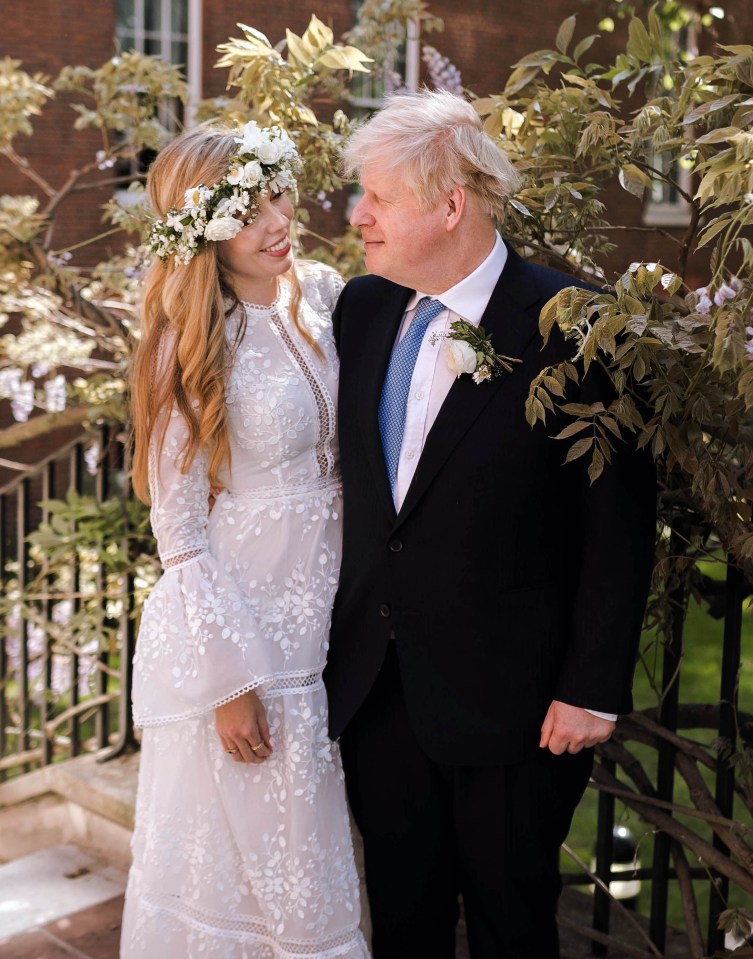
190,302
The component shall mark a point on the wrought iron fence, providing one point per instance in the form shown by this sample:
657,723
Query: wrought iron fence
60,697
709,770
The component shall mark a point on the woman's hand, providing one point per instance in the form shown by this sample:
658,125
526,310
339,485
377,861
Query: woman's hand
243,730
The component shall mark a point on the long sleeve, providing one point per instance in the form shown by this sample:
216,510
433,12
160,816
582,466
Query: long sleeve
618,522
199,645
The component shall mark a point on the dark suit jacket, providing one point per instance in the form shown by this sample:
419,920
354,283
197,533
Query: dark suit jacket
505,580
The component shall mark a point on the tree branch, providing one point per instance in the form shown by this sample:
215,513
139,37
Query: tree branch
28,170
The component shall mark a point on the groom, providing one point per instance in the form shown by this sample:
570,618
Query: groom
485,630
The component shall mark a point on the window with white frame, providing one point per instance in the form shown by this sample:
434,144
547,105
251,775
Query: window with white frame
155,27
170,30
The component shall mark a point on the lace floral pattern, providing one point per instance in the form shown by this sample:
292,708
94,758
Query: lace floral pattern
236,861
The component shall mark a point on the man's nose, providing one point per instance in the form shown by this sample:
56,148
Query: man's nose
361,215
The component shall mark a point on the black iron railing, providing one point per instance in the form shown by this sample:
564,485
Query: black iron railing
663,728
60,697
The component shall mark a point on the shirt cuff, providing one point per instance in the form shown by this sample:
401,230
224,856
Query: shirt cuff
612,717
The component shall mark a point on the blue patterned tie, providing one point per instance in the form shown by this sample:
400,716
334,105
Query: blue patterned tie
397,384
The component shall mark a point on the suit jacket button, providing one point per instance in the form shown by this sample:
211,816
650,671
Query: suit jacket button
396,545
384,610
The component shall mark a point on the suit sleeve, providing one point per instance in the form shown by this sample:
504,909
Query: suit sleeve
617,519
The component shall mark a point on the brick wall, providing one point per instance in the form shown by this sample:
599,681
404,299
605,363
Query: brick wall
45,36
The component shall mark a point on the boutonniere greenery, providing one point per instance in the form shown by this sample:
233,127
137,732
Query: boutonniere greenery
468,349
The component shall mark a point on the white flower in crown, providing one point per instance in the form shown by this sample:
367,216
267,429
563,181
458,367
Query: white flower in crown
248,175
461,357
222,228
252,138
195,197
270,151
282,182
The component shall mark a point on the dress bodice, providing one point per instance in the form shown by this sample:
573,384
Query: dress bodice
280,392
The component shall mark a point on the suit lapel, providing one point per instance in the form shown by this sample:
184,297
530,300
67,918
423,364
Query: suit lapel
377,348
511,320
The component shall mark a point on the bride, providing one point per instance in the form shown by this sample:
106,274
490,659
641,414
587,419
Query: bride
242,847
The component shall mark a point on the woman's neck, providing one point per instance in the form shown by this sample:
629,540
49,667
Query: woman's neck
261,292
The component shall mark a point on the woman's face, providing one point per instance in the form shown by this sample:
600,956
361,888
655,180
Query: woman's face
262,251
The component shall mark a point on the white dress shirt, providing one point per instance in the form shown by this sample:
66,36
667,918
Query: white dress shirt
432,376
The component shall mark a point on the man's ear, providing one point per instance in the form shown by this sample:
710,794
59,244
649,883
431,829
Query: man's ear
455,207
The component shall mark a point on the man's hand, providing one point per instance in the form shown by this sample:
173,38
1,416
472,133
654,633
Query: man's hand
570,728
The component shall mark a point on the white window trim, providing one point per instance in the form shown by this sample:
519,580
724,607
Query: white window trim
413,55
195,64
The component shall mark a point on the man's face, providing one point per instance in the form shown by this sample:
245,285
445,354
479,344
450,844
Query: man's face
401,243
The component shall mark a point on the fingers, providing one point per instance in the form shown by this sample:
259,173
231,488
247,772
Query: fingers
243,729
547,728
571,729
241,749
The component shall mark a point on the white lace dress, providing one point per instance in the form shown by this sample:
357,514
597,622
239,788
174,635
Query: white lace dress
233,860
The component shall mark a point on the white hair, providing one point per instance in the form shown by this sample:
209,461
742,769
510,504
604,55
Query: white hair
436,140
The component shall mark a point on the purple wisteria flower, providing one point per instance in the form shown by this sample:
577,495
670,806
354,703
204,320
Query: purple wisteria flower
443,73
724,293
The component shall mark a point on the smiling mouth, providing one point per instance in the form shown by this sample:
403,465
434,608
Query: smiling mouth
281,247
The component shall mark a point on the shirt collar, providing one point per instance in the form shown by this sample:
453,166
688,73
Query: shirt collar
470,296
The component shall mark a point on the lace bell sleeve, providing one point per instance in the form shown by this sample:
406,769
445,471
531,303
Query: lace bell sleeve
199,645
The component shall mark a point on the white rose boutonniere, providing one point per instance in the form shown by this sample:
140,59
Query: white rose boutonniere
461,357
469,350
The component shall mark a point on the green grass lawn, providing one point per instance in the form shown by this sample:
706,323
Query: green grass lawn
699,683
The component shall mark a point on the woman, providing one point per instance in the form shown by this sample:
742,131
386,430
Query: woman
242,847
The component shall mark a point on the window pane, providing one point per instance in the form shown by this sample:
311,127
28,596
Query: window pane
152,14
152,46
180,16
180,54
126,15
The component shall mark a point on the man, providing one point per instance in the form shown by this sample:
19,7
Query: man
485,630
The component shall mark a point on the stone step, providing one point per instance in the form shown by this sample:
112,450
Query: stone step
80,801
52,884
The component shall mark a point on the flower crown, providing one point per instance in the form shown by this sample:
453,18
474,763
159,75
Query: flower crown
266,161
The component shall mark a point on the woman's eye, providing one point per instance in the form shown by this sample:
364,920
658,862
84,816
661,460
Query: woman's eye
276,196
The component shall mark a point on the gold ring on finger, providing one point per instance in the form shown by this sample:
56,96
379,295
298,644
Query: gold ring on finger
257,746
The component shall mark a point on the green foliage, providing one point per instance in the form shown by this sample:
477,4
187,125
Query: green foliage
680,359
21,97
124,96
